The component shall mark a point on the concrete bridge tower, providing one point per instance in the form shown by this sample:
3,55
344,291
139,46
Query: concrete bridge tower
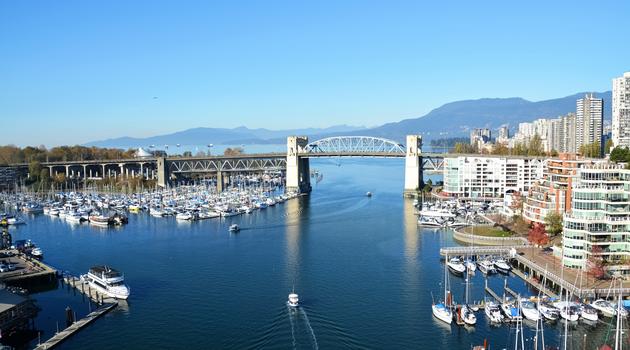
413,166
162,172
298,170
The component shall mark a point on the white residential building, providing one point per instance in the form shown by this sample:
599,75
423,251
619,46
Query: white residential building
487,177
621,110
599,222
589,121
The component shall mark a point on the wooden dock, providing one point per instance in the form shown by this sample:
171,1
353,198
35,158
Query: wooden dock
75,327
106,304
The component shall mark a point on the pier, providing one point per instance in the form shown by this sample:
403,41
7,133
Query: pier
106,304
75,327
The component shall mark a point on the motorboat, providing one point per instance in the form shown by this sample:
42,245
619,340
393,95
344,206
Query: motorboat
568,310
369,194
511,311
37,253
493,312
107,281
155,212
587,312
443,313
467,315
502,265
429,222
549,311
99,220
607,308
487,267
134,208
456,266
15,220
293,300
529,310
74,218
184,216
234,228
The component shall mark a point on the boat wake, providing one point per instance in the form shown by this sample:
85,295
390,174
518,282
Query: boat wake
308,324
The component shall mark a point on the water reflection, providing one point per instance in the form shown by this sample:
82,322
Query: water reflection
292,235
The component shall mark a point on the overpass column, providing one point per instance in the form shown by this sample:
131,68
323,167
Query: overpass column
298,170
103,165
162,172
51,171
67,171
142,170
122,170
413,166
85,171
220,183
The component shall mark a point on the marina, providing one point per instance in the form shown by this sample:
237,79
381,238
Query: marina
171,244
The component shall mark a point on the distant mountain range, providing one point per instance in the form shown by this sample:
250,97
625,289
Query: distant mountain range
450,120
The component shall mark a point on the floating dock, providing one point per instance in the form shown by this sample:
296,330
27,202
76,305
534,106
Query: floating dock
75,327
107,304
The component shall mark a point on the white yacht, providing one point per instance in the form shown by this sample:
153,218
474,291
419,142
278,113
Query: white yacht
184,216
74,218
568,310
293,301
502,265
107,281
588,312
607,308
456,266
470,265
487,267
155,212
549,311
529,310
493,312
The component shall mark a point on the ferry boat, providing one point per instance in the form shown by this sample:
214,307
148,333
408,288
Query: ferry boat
293,300
107,281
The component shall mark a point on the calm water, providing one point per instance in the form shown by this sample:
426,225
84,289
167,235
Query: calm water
364,271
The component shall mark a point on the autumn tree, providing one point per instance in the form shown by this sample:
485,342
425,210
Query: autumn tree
233,151
608,146
537,235
595,263
591,150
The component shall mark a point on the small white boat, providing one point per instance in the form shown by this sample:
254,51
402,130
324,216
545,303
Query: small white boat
502,265
184,216
234,228
156,212
529,310
487,267
549,311
605,307
37,252
456,266
15,221
369,194
74,218
442,313
293,300
568,310
468,316
493,312
587,312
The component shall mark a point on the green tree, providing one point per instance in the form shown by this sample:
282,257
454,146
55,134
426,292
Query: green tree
591,150
619,154
501,149
553,223
35,169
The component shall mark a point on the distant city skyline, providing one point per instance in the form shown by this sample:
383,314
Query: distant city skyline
74,72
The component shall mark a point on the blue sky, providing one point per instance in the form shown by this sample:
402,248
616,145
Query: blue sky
78,71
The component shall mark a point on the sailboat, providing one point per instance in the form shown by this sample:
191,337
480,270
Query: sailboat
466,311
442,311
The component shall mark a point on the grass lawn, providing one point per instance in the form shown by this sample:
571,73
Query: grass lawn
487,231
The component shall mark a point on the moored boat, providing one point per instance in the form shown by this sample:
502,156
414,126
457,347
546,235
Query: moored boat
107,281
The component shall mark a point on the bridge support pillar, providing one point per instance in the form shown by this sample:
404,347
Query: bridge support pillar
413,166
298,170
162,172
220,182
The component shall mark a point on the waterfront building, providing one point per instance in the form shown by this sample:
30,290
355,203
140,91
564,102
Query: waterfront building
589,121
489,177
598,224
552,193
621,110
